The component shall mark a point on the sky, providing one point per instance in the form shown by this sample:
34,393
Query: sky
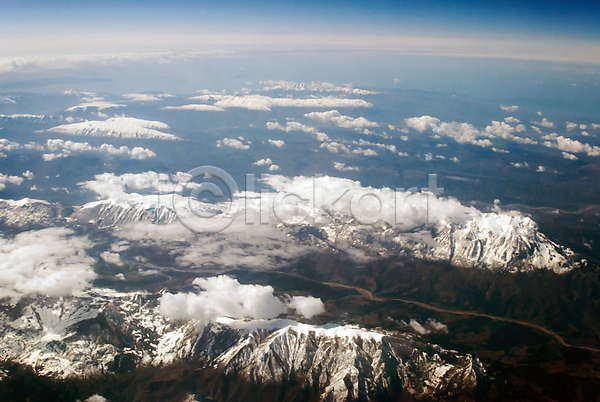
514,29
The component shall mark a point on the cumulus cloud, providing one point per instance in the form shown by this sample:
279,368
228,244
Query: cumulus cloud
423,123
274,168
569,156
511,120
544,123
541,169
509,108
262,162
61,149
198,107
365,152
48,262
7,179
295,126
277,143
312,87
122,127
335,117
223,296
571,126
28,175
233,143
265,103
111,258
342,167
572,146
335,147
307,306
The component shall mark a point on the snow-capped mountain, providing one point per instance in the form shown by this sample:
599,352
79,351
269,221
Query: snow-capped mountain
121,127
106,331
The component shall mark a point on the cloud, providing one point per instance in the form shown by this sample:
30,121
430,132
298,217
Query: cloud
342,167
520,164
365,152
511,120
421,124
50,262
262,162
7,179
111,258
335,117
573,146
509,108
571,126
38,63
274,168
265,103
233,143
222,296
295,126
62,149
567,155
198,107
335,147
122,127
389,147
96,103
544,123
541,169
146,97
28,175
307,306
277,143
312,87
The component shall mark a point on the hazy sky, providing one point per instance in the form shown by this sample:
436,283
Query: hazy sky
516,29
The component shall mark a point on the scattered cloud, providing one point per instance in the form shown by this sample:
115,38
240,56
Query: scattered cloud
233,143
295,126
342,167
571,126
511,120
335,147
335,117
312,87
544,123
262,162
541,169
223,296
50,262
62,149
567,155
146,97
277,143
265,103
198,107
7,179
509,108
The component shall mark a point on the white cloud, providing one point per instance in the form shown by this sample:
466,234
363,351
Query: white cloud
583,127
122,127
307,306
7,179
595,126
573,146
274,168
295,126
222,296
389,147
544,123
571,126
541,169
111,258
365,152
335,117
421,124
62,149
277,143
335,147
567,155
232,142
265,103
49,262
198,107
509,108
511,120
262,162
146,97
28,175
342,167
312,87
520,164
